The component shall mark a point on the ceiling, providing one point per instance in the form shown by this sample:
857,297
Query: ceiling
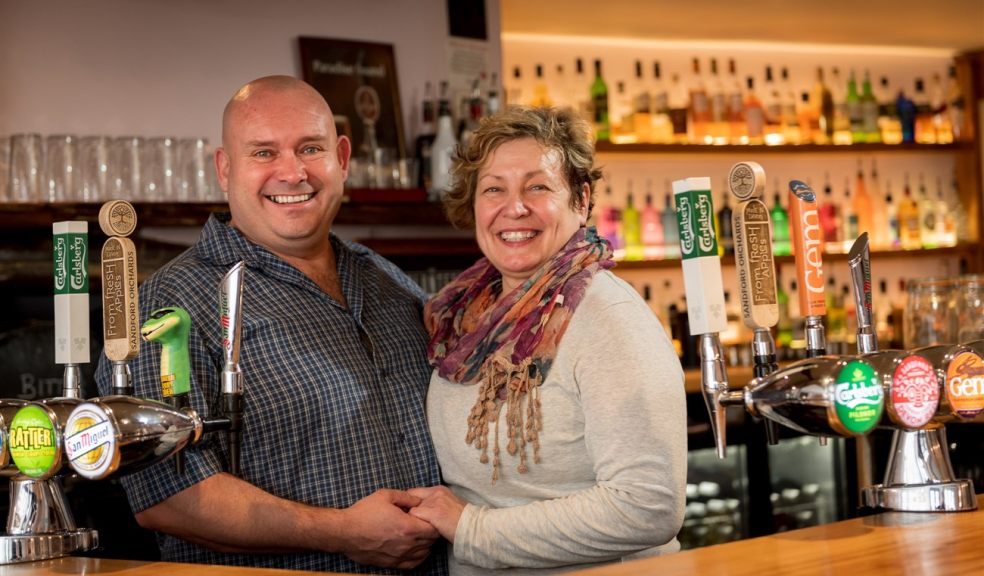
946,24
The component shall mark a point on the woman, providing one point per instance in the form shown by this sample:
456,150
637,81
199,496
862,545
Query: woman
557,402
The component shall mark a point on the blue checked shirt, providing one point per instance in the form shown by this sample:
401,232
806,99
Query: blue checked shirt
334,402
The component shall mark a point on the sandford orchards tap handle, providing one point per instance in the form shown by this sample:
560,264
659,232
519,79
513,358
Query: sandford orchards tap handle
752,230
71,256
230,318
859,260
121,323
170,326
807,244
705,293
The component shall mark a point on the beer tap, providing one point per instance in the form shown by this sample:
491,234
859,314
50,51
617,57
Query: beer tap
170,327
705,294
230,314
858,260
756,270
121,341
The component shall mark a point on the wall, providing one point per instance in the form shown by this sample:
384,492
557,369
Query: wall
153,67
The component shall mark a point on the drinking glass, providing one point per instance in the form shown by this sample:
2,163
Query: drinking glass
927,313
94,184
967,308
60,168
192,183
157,161
26,153
125,169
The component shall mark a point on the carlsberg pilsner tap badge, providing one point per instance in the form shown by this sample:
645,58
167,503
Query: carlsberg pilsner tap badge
695,217
858,397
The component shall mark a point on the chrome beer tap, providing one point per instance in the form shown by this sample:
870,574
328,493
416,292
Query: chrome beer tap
230,320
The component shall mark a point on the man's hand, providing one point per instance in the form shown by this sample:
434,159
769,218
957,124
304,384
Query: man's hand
378,531
440,507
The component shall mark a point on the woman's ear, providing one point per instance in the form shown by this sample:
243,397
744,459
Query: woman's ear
585,198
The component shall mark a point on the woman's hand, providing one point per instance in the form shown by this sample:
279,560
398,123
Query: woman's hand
440,507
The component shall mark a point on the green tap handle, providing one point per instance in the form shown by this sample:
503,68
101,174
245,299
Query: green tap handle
170,327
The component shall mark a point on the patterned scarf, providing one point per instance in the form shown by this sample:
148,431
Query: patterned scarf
507,342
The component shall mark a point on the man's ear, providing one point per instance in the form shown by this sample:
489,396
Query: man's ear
222,169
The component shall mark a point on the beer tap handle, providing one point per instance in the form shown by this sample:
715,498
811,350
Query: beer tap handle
859,261
756,270
230,318
807,245
171,326
70,244
705,293
121,323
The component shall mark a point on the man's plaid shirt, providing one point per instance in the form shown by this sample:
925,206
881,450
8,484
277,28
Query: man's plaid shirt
334,402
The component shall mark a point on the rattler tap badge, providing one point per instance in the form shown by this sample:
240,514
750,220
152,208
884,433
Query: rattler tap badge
33,443
90,443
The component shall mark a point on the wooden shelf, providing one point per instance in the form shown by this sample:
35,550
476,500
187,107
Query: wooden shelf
967,250
640,148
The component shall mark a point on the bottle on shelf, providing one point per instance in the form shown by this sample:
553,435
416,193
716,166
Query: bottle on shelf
883,314
892,218
754,114
541,94
662,123
907,117
642,118
580,91
726,236
425,140
679,110
737,128
855,117
910,237
889,123
514,94
925,132
561,88
829,217
718,126
929,217
823,104
652,227
699,111
879,232
631,227
784,327
809,121
955,104
780,225
609,221
849,218
792,132
842,122
772,101
444,144
869,111
492,103
671,232
941,119
476,110
621,116
863,208
599,104
947,226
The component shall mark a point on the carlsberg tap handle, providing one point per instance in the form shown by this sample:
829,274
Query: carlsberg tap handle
70,243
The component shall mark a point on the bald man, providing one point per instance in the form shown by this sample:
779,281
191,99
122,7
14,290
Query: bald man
333,352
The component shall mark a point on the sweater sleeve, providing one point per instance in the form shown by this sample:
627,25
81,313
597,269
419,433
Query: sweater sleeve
631,390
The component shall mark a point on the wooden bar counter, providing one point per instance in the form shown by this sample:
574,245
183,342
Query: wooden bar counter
887,543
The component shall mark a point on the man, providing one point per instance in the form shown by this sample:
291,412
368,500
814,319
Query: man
333,352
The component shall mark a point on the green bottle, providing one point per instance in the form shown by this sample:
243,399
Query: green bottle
599,103
854,111
869,111
784,328
780,227
632,228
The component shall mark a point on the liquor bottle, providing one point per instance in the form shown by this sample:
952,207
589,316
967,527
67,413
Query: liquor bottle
925,132
879,215
842,122
476,110
599,104
492,103
671,231
725,230
699,114
889,124
869,111
855,117
907,117
718,127
863,208
780,225
947,233
541,94
892,218
425,141
955,104
561,91
679,110
609,220
622,129
642,119
514,94
737,129
652,227
941,119
829,217
773,110
791,129
442,148
928,221
662,124
849,218
631,228
823,104
754,114
909,230
809,121
580,90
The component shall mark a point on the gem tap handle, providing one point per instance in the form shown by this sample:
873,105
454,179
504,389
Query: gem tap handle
808,248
